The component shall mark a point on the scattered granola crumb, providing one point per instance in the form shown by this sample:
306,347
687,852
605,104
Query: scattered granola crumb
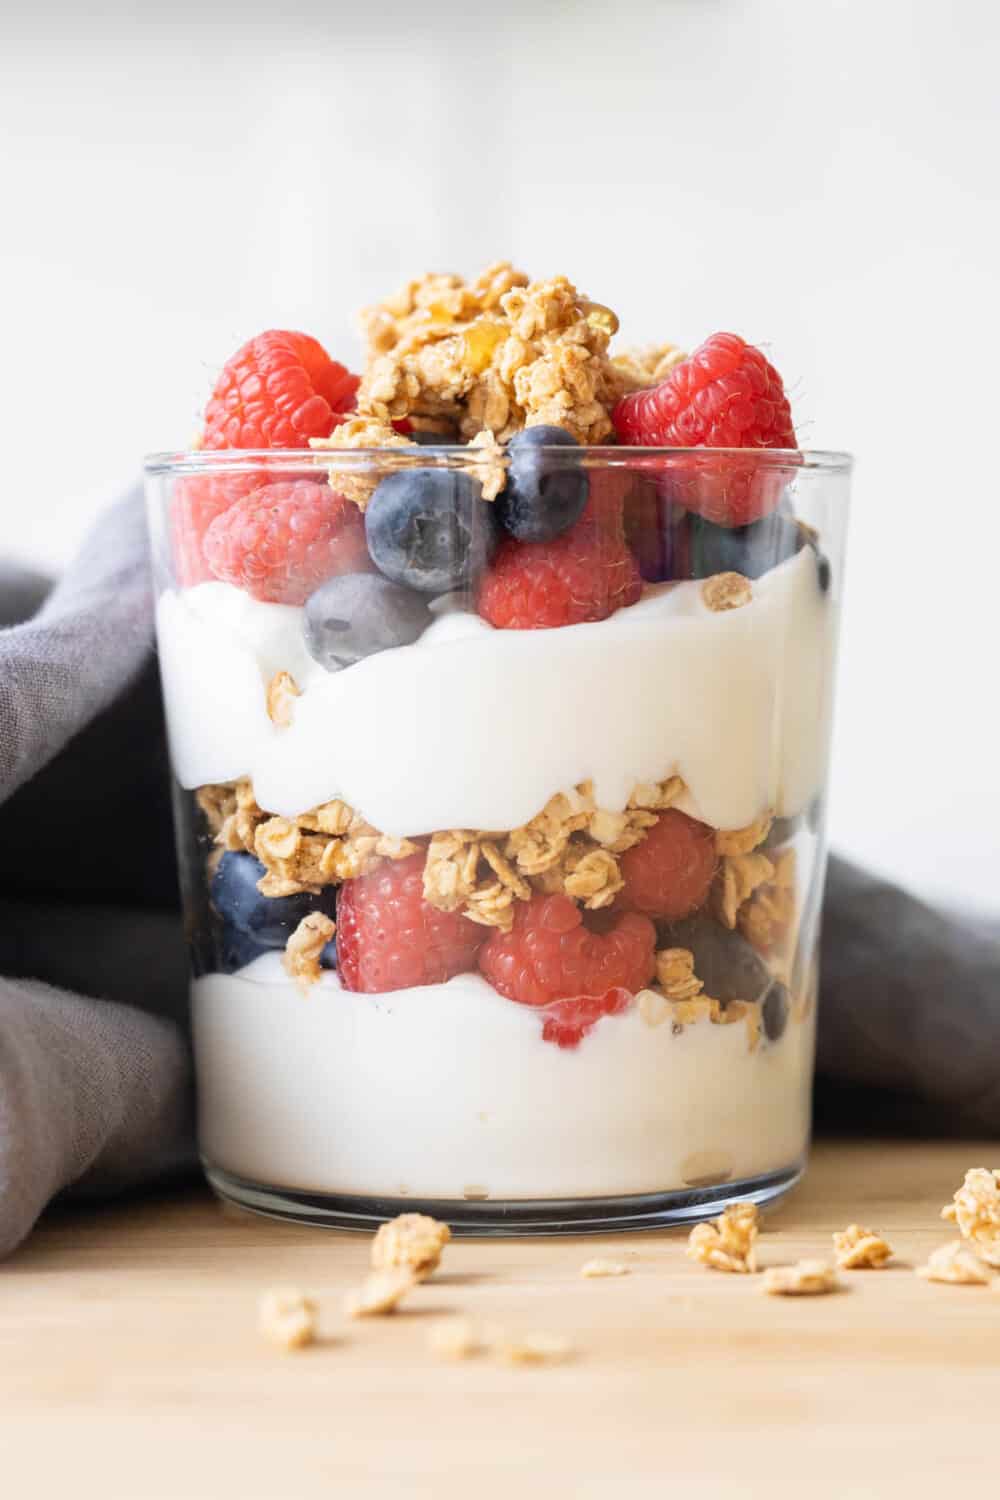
976,1210
282,692
380,1292
535,1349
304,947
726,591
954,1263
727,1243
808,1278
598,1267
454,1338
860,1249
287,1318
411,1240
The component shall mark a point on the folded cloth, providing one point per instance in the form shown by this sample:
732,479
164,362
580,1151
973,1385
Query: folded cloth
95,1071
95,1074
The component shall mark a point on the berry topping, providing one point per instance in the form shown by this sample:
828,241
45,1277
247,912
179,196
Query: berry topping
359,614
283,539
751,550
669,873
267,921
724,395
430,529
726,964
543,496
586,574
390,938
550,955
277,391
567,1022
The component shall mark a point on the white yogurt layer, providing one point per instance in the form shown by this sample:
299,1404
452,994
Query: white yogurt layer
477,728
448,1092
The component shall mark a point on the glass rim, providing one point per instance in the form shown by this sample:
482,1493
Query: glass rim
460,456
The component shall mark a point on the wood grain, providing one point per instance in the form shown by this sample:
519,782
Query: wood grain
130,1365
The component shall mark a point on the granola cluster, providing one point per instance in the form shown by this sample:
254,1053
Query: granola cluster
571,846
755,893
861,1249
329,844
498,354
411,1240
975,1208
807,1278
479,361
727,1243
954,1263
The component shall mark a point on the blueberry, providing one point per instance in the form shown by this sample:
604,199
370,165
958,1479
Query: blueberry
751,550
543,497
430,529
236,950
655,530
358,614
727,965
269,921
775,1011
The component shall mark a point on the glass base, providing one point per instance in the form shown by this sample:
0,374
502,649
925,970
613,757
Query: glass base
505,1217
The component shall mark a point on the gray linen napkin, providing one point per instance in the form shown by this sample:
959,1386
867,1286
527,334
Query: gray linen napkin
95,1074
95,1077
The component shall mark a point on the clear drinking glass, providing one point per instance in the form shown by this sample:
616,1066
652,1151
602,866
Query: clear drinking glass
597,847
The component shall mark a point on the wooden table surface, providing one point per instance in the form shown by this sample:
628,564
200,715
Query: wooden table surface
130,1365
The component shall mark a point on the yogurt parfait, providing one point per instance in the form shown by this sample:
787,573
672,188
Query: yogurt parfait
498,685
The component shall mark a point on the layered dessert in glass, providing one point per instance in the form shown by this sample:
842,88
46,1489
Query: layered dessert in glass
498,687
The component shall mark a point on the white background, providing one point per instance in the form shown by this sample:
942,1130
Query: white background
821,177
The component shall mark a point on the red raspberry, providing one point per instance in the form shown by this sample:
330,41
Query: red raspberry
567,1022
550,955
390,938
197,500
724,395
669,873
284,539
585,574
277,391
